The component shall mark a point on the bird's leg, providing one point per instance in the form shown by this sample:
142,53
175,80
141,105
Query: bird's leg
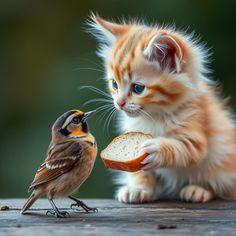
56,212
81,204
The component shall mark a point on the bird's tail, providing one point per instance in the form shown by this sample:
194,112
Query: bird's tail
33,197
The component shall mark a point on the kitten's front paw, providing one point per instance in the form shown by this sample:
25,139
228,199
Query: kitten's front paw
193,193
128,194
152,161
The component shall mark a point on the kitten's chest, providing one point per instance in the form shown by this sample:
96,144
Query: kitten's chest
157,128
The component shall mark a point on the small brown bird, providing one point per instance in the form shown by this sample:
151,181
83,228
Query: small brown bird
69,161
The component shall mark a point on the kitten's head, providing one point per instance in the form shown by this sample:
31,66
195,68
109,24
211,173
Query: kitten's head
148,68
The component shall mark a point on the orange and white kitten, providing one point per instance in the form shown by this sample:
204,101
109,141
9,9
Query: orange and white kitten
157,78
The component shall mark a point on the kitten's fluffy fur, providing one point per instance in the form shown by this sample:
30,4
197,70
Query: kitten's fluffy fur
193,152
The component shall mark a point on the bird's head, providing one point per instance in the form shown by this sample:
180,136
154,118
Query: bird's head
72,124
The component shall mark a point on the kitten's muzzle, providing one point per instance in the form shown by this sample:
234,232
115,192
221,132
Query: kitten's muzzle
121,103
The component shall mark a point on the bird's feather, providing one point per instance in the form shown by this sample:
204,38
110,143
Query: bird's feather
61,158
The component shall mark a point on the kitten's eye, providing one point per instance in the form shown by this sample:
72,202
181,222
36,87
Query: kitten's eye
114,84
138,88
75,120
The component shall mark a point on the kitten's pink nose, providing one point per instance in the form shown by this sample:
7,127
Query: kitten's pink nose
121,103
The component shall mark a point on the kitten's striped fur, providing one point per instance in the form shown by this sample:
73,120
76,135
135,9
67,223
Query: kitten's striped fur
193,154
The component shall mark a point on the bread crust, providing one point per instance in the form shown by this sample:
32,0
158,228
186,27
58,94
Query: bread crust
130,165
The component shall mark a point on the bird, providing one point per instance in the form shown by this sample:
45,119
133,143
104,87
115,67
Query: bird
69,161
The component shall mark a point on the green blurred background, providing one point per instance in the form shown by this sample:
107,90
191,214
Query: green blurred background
45,56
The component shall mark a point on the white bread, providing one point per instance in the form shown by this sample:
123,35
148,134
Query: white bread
123,153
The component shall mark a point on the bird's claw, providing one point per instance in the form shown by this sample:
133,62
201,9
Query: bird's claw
58,214
84,206
50,212
93,209
73,205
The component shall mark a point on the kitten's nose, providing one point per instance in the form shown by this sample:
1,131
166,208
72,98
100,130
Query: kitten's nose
121,103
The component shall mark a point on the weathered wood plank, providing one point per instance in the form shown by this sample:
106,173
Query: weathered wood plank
113,218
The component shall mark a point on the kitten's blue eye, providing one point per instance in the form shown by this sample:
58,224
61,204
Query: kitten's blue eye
114,84
138,88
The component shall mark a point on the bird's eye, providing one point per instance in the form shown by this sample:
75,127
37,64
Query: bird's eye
114,84
75,120
138,88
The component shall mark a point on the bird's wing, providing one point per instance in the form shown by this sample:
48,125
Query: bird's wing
60,159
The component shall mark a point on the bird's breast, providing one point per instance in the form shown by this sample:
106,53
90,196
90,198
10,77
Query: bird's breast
72,180
85,164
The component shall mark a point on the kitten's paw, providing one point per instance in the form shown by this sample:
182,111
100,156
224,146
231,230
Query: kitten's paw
150,146
193,193
134,195
152,161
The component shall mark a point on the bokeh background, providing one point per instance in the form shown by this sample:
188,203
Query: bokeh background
46,55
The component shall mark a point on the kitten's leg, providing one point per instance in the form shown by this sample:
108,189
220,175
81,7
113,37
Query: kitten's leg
139,189
194,193
170,152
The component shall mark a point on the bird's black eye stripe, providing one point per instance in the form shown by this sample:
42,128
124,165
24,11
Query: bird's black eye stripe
64,132
85,127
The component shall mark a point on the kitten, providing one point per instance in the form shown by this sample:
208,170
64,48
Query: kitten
158,79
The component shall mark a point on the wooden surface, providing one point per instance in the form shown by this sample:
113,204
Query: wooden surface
113,218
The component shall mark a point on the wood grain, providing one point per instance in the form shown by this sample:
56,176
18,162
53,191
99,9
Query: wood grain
113,218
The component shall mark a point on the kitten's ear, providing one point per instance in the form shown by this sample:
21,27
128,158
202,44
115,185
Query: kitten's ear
164,50
105,30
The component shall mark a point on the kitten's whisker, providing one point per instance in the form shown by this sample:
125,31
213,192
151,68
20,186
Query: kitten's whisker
105,113
101,100
113,112
101,118
99,79
103,107
96,64
107,106
146,114
140,113
98,100
87,68
104,110
107,110
107,121
108,117
96,90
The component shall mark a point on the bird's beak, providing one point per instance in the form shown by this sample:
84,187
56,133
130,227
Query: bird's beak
87,115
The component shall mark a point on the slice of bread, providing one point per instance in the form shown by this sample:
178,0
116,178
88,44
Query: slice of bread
123,153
